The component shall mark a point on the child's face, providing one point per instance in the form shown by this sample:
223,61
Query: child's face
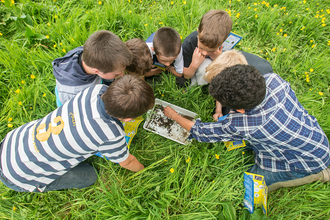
113,74
165,60
207,51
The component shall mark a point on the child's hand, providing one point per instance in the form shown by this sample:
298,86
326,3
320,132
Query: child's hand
197,58
169,112
216,116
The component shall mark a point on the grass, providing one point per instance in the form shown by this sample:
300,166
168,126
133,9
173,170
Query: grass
292,35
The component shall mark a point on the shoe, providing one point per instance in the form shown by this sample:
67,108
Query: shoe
326,175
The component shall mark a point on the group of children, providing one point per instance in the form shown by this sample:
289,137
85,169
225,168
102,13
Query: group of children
253,103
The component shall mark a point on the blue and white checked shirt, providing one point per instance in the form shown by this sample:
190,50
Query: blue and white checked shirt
282,133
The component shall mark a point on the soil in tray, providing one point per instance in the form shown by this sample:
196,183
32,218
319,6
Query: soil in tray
167,127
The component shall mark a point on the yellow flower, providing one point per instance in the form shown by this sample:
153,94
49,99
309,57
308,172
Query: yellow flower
313,45
54,45
290,22
72,39
44,95
285,35
328,42
0,34
12,1
284,49
323,25
129,11
20,103
100,2
22,81
161,22
17,91
10,125
237,15
273,49
172,2
281,30
184,2
307,9
320,93
162,95
243,152
14,208
180,37
47,36
31,108
311,70
145,25
311,41
278,33
255,9
217,156
61,44
165,160
55,16
256,16
48,24
187,161
172,170
302,28
63,50
33,76
10,119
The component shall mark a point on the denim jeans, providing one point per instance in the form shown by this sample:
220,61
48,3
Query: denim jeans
274,177
81,176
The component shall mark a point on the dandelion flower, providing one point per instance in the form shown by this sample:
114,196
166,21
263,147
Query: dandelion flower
285,35
44,95
281,30
55,45
278,33
161,22
172,170
129,11
165,160
55,16
10,125
320,93
146,25
273,49
47,36
48,24
33,76
162,95
14,208
10,119
187,161
255,9
311,70
313,45
284,49
0,34
217,156
256,16
100,2
63,50
243,152
17,91
172,2
22,81
323,25
20,103
237,15
184,2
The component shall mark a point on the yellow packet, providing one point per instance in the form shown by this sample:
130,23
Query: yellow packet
256,192
231,145
130,129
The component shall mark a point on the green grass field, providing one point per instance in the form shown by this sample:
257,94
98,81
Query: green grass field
293,35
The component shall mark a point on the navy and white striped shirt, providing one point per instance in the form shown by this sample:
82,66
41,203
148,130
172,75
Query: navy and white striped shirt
282,133
37,153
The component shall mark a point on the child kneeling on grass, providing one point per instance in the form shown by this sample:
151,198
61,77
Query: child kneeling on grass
48,154
290,147
103,57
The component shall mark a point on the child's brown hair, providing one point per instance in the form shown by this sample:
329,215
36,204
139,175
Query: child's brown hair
167,42
226,59
214,28
142,61
128,96
104,51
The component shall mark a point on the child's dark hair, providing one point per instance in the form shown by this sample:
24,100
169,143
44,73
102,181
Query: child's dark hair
167,42
142,61
214,28
104,51
128,96
238,87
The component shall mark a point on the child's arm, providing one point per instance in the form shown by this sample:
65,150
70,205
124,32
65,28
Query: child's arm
185,123
173,71
197,59
154,71
132,164
218,111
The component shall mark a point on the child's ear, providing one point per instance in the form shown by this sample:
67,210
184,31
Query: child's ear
96,71
152,48
126,119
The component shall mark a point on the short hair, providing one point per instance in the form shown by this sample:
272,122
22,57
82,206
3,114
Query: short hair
142,61
214,28
167,42
226,59
128,96
104,51
238,87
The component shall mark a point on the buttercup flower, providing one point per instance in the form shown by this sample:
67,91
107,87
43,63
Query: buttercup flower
20,103
161,22
145,25
184,2
129,11
285,35
187,161
320,93
100,2
10,125
17,91
172,170
10,119
47,36
217,156
63,50
256,16
33,76
44,95
311,70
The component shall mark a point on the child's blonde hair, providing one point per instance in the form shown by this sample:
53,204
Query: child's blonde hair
226,59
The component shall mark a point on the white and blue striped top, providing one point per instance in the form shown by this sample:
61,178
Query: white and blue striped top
37,153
